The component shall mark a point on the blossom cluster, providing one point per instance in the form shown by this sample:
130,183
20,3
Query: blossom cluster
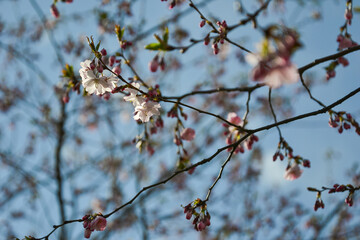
335,189
343,120
201,219
144,107
345,41
293,170
234,134
222,31
93,222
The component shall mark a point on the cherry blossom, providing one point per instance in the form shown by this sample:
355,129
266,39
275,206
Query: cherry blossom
273,72
133,97
146,110
93,82
92,223
293,172
345,42
188,134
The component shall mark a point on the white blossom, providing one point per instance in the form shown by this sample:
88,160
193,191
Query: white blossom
93,82
136,100
146,110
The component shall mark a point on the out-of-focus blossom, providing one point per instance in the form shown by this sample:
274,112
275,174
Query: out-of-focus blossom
274,72
345,42
188,134
293,172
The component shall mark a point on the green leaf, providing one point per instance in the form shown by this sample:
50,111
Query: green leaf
153,46
166,35
312,189
356,9
98,46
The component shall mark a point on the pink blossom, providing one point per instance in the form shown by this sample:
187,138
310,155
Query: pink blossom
283,73
344,42
91,224
343,61
117,70
188,134
293,172
234,118
274,72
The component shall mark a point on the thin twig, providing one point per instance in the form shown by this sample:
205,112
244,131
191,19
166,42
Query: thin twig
274,115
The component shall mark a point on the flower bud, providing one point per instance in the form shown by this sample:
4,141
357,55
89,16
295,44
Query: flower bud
54,11
103,52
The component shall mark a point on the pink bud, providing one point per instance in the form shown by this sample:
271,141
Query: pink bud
103,52
330,74
106,96
154,64
117,70
207,40
87,233
188,215
347,126
215,48
348,15
66,98
54,11
201,226
92,65
202,23
306,163
340,130
100,68
162,64
172,4
112,61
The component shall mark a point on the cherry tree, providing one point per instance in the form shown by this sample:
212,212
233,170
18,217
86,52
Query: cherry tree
172,119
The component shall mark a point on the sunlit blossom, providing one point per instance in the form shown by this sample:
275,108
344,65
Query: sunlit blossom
94,82
146,110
